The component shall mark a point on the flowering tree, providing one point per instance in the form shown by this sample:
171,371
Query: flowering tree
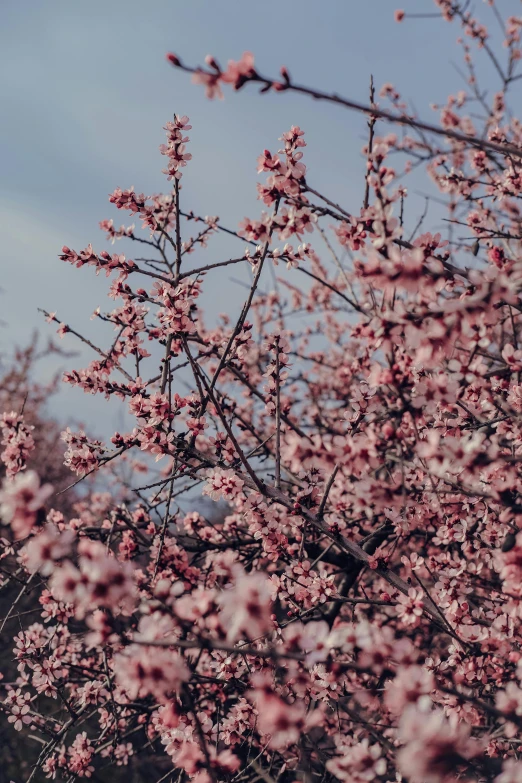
355,614
30,436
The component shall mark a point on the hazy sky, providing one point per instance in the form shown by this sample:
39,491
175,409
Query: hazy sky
85,91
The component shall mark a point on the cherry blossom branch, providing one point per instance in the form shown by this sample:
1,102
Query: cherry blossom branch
372,111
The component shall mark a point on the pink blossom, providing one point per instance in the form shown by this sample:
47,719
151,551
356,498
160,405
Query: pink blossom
22,500
239,72
47,548
511,772
223,484
434,747
280,722
410,606
358,762
18,442
246,608
143,670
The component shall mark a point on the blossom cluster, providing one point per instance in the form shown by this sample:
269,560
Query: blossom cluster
18,442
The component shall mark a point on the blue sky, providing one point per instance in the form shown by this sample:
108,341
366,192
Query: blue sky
85,91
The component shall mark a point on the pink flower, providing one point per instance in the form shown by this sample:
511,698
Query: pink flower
246,608
80,755
143,670
175,148
21,501
223,484
18,441
239,72
434,747
509,700
410,607
317,640
66,584
45,549
211,82
100,581
359,762
512,357
19,705
511,772
281,722
409,685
